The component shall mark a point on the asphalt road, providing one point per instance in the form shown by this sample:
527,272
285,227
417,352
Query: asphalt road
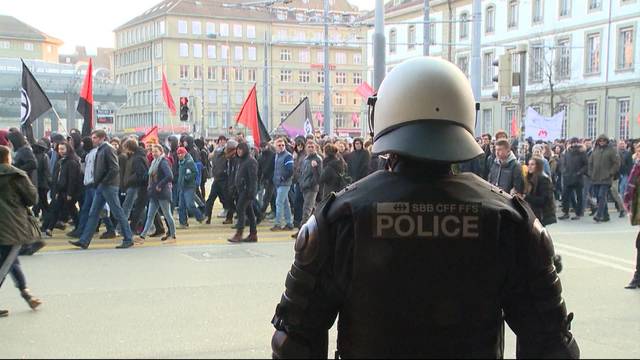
203,298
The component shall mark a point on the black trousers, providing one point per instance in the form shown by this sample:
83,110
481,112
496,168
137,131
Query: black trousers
217,192
572,195
245,212
58,211
43,202
638,253
269,197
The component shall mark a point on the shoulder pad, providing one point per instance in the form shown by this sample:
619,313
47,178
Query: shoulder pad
346,189
497,190
308,246
539,234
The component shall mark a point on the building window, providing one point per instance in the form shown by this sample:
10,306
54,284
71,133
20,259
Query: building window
595,5
28,46
161,27
537,62
304,77
285,75
285,55
238,74
239,97
563,59
625,49
251,31
237,30
238,53
320,77
487,71
224,52
565,8
213,119
197,72
251,53
512,14
464,25
283,116
211,28
158,50
591,109
593,54
226,116
182,27
393,41
341,58
432,33
225,98
537,16
411,37
511,114
320,57
339,120
224,30
197,51
225,74
565,108
196,28
211,51
212,96
184,72
184,50
211,73
357,59
463,64
623,118
303,56
341,78
286,97
357,78
490,19
487,121
251,75
339,99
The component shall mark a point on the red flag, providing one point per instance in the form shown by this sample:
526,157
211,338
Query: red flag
365,90
514,126
166,95
151,136
85,103
638,119
250,117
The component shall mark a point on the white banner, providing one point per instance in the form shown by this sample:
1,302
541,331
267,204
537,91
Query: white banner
543,128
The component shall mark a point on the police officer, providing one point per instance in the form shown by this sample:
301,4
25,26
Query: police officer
419,262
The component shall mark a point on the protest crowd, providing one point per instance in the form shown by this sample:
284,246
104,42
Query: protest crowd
140,187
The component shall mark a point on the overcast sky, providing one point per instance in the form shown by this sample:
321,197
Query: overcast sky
88,22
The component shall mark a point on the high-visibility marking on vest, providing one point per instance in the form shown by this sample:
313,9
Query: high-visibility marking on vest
427,220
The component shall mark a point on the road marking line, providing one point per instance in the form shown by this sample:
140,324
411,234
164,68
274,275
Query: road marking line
592,232
593,253
599,262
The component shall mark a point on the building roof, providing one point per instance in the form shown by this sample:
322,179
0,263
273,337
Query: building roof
216,8
13,28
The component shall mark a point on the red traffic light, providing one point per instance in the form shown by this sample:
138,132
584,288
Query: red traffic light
184,100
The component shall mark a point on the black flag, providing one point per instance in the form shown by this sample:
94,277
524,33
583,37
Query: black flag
34,102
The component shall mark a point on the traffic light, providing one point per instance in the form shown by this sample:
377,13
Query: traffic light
184,109
504,78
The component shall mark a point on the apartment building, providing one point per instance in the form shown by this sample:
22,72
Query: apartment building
213,53
20,40
582,57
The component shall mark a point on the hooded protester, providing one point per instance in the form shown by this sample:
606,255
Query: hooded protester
298,200
65,189
506,172
604,164
333,171
247,187
358,161
205,173
23,156
573,166
187,173
266,163
40,150
76,142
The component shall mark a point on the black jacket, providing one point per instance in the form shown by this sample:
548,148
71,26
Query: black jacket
541,199
310,176
67,177
266,164
107,169
333,171
573,165
23,158
138,176
43,170
219,165
247,177
626,162
358,164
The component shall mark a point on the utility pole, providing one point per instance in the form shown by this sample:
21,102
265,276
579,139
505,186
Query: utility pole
606,75
265,77
327,73
522,50
475,57
379,46
427,29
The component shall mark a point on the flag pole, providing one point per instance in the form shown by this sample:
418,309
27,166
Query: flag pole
59,120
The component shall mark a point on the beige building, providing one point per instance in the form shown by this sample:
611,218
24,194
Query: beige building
214,54
19,40
587,54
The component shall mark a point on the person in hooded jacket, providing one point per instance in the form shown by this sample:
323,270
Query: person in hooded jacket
506,172
205,173
246,181
333,171
266,163
604,164
358,161
65,188
186,187
296,194
573,166
44,176
539,192
24,158
77,143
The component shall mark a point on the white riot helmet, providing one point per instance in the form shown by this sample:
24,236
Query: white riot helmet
425,109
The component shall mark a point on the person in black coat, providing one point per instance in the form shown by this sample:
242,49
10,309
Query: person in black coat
40,150
333,171
573,166
246,180
358,161
23,157
218,163
65,188
539,192
266,164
